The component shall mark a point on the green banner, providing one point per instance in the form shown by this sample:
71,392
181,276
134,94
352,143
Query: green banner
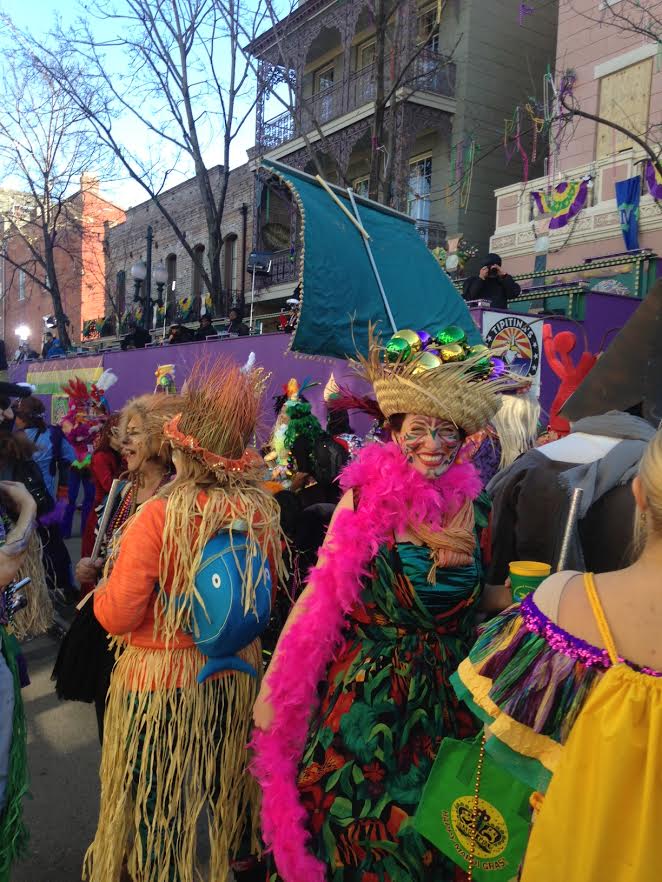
340,293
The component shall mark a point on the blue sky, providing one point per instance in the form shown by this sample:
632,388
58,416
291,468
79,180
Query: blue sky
39,16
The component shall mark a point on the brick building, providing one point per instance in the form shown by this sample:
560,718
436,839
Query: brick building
617,77
79,259
126,243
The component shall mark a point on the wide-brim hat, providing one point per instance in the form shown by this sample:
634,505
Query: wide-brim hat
455,391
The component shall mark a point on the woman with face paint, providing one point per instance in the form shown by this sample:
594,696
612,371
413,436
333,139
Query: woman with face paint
372,642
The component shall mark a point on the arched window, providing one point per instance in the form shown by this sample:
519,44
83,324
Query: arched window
199,252
230,264
121,291
171,267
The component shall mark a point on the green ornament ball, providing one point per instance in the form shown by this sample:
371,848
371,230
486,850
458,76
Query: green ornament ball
450,335
398,349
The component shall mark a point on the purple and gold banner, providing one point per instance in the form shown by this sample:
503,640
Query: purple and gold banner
48,377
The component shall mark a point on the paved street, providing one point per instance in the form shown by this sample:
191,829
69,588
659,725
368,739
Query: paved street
64,761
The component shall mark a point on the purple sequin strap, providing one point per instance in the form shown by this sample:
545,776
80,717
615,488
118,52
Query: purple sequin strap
567,644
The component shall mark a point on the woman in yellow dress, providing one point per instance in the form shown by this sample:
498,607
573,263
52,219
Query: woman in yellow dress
569,685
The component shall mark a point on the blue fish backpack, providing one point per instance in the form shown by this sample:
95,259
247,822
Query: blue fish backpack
221,627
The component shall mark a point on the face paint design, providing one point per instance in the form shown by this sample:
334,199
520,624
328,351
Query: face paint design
430,444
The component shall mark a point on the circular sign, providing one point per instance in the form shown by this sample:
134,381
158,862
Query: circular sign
518,345
491,829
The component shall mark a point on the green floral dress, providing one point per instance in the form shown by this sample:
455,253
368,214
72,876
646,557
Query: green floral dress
387,704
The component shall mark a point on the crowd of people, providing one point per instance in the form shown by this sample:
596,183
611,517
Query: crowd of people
293,642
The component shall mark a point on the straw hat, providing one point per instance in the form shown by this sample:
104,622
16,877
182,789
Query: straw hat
460,391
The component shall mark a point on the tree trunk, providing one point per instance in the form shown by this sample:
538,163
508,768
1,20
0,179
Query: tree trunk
54,289
378,119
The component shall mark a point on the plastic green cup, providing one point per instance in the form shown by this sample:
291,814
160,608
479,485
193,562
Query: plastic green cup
525,576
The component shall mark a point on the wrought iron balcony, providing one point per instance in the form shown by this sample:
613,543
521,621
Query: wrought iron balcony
283,269
433,233
430,72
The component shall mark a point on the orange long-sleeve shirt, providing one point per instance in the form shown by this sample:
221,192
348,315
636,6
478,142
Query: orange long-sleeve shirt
125,603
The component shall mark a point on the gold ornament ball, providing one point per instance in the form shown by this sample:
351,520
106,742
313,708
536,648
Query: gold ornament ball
426,362
410,337
452,352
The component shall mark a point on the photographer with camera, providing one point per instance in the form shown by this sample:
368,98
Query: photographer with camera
492,284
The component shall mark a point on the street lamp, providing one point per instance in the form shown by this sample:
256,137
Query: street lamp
23,333
138,274
160,277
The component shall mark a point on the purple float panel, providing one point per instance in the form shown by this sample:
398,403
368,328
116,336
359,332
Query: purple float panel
605,314
136,369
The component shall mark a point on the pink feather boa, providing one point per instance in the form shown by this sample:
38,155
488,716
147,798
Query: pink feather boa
393,495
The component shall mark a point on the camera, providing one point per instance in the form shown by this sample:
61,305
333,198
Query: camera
493,272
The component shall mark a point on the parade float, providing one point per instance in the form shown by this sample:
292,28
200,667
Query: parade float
371,266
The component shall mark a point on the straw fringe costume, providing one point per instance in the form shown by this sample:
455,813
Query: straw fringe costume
174,746
37,617
382,630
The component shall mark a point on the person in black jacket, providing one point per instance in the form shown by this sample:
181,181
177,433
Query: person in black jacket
206,329
492,284
237,325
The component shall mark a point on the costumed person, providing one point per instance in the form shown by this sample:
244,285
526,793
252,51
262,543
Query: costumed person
568,683
291,405
601,454
30,421
17,466
105,466
88,410
337,422
16,501
85,660
179,707
517,425
371,643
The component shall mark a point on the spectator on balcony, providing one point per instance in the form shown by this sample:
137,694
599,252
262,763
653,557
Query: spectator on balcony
137,338
180,334
206,329
492,284
237,325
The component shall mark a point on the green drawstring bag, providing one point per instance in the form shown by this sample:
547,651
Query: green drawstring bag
475,812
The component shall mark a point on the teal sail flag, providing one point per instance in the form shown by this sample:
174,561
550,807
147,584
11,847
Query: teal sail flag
339,289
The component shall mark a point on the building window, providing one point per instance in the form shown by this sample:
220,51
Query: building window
361,187
324,80
625,99
420,188
121,292
366,55
199,252
230,264
21,285
427,28
171,268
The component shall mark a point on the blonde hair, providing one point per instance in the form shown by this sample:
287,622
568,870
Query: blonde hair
650,475
153,411
516,423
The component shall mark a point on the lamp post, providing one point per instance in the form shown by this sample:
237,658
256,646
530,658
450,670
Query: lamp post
160,278
138,274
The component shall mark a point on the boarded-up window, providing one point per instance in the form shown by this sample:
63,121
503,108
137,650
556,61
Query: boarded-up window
624,99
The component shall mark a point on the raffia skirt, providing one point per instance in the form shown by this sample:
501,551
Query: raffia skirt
171,752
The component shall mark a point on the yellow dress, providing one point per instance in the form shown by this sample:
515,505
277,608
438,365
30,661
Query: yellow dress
582,726
601,819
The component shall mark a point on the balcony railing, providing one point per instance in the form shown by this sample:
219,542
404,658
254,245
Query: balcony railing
430,72
283,270
433,233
